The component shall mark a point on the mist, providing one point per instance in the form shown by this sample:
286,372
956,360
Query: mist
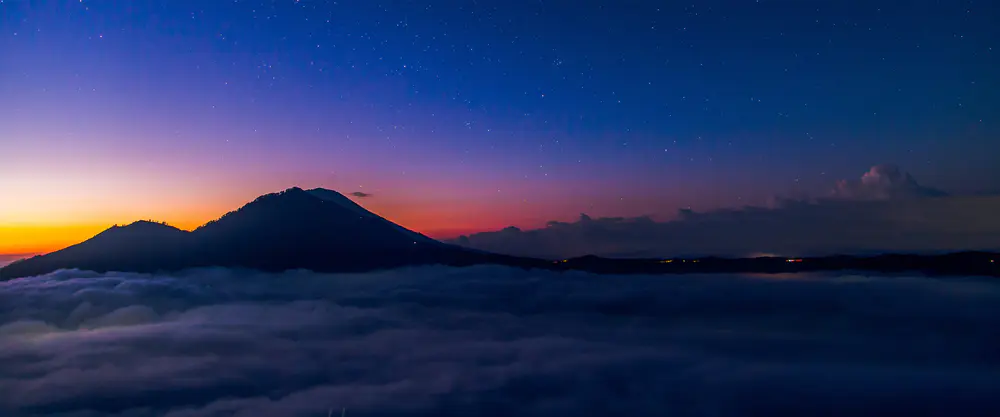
495,341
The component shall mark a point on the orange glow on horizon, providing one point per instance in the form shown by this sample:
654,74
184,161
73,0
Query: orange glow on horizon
67,227
34,239
45,238
44,210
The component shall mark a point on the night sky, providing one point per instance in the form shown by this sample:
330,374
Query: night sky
463,116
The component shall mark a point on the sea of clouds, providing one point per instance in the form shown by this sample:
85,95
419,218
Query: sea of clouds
494,341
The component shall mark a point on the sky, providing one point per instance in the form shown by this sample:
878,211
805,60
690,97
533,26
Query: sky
458,117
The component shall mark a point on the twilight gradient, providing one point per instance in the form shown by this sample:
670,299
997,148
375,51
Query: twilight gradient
461,117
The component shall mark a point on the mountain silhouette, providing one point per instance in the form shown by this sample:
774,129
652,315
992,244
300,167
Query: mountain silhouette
319,230
324,231
347,203
140,246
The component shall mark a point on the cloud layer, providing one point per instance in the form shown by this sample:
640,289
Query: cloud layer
494,341
885,211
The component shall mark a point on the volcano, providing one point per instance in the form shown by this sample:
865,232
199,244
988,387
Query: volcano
324,231
319,230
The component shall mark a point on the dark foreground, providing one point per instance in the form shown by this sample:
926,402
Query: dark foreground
953,264
497,341
962,263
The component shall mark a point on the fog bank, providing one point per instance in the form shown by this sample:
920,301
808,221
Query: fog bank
495,341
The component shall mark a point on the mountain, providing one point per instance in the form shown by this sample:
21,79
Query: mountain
346,203
324,231
318,229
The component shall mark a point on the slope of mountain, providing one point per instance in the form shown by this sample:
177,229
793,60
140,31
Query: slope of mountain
347,203
297,229
141,246
318,229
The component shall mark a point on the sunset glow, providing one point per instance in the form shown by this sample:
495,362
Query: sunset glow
182,111
306,208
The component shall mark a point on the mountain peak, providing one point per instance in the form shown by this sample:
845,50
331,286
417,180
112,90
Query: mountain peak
318,229
319,219
341,200
139,228
142,246
149,224
288,192
321,193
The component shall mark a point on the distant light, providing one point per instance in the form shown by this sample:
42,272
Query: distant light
793,260
667,261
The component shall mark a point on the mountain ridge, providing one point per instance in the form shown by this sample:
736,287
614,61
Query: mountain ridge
320,229
324,231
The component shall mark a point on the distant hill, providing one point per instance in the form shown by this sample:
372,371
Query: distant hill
141,246
319,229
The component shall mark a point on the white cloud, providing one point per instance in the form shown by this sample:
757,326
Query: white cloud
495,341
885,211
883,182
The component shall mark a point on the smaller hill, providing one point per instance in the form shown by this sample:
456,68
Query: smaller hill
142,246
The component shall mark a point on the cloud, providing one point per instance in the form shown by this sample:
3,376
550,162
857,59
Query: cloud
883,182
360,194
885,211
495,341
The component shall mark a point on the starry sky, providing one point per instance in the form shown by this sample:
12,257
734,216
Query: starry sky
464,116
